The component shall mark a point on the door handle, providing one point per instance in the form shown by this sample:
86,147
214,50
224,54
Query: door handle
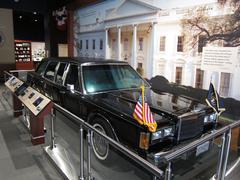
62,92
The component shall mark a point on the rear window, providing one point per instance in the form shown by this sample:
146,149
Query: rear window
60,72
42,67
50,71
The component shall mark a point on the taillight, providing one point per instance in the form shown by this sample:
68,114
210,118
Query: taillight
144,140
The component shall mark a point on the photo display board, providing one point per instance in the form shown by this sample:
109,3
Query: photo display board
23,55
31,98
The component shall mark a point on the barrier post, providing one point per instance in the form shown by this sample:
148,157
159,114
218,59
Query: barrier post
226,154
4,77
53,116
168,173
89,155
220,160
24,113
81,154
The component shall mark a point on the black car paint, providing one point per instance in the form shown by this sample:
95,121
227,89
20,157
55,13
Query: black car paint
115,107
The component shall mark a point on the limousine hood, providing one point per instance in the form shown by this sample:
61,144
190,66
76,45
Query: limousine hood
125,101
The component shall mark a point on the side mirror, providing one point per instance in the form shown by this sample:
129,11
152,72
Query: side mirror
70,87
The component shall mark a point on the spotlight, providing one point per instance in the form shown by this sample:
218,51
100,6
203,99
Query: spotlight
35,20
34,12
20,17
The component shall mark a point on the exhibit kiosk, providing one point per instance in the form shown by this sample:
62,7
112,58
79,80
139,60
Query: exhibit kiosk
36,104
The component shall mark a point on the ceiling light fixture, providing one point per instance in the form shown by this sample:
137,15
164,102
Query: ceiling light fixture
35,20
34,12
20,17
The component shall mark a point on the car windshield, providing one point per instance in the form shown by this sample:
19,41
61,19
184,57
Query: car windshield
100,78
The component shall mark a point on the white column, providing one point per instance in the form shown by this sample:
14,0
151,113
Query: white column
134,47
151,62
119,44
106,44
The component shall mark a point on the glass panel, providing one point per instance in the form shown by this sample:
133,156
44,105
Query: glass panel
178,78
93,45
140,43
180,44
86,44
50,71
101,44
72,77
162,43
60,72
110,77
80,44
41,67
224,84
199,78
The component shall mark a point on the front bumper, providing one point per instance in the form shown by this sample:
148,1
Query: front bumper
157,158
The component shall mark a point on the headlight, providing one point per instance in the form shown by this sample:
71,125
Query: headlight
168,131
157,135
210,118
162,133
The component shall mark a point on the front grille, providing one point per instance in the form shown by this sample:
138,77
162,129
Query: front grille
190,127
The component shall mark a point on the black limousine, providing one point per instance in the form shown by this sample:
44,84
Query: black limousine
105,92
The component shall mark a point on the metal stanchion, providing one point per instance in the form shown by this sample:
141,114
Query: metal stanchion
24,111
227,149
81,154
220,160
168,173
4,77
89,155
53,116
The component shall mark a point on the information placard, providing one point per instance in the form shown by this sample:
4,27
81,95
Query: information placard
221,59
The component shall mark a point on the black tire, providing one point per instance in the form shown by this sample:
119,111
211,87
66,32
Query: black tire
101,149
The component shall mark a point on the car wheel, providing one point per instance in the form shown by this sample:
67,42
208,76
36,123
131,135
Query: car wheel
100,146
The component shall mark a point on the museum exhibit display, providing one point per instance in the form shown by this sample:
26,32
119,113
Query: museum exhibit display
106,91
23,55
36,104
120,89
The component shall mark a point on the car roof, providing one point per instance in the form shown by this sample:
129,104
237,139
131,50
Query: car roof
83,60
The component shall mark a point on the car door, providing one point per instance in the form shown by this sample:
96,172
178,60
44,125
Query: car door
58,86
49,76
71,98
35,79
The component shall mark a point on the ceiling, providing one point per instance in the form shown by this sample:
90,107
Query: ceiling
43,6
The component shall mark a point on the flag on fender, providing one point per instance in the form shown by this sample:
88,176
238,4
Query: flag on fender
143,114
213,100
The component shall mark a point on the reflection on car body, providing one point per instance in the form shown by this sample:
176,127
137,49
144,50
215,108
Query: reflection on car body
104,93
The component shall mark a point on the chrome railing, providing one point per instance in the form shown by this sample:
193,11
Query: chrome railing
225,132
221,170
90,129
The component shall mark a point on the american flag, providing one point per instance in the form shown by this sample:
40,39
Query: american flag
143,114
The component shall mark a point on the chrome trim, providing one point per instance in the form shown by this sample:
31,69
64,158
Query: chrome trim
179,129
190,146
106,63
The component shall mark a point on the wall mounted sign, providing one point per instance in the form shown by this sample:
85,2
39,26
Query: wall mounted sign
221,59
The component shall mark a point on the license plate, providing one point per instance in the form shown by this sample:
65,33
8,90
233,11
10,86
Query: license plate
202,148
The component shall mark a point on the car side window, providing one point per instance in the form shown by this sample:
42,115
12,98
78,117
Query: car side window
72,77
41,67
50,71
60,72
